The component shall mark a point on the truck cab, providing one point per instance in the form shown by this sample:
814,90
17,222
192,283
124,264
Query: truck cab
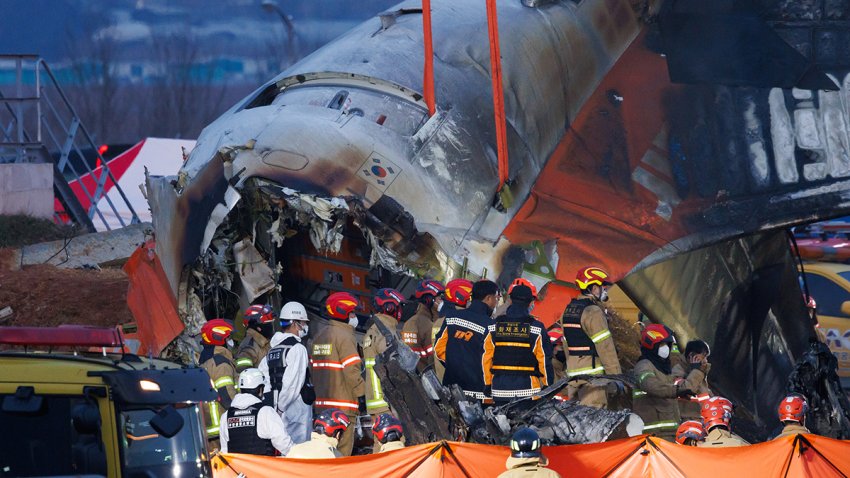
97,411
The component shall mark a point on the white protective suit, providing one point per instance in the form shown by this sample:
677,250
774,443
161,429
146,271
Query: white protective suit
269,424
296,415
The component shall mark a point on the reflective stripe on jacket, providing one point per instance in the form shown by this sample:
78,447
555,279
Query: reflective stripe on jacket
374,343
336,368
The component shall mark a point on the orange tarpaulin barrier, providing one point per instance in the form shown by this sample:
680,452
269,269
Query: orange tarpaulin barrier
801,456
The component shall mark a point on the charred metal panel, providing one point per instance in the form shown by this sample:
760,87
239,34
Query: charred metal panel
743,298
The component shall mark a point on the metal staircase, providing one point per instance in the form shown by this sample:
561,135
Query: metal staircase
39,125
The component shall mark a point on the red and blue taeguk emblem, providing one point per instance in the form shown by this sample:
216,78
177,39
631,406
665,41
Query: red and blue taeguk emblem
379,171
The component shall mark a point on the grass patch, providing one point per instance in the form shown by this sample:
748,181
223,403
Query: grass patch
20,230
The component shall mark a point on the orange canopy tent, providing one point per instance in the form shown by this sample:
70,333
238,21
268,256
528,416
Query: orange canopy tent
800,456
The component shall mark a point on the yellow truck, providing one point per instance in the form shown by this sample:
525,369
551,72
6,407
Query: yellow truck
829,285
83,408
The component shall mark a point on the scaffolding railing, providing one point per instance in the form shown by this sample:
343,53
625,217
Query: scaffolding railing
39,124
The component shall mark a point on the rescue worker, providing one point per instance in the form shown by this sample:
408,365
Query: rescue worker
526,458
517,360
250,427
717,418
690,408
217,360
690,433
287,373
328,426
559,357
460,341
503,307
387,306
259,327
456,297
337,365
792,414
388,432
657,387
416,332
590,346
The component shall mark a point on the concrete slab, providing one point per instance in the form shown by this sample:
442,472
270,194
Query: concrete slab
26,189
102,248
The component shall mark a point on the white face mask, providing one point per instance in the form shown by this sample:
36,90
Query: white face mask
303,331
353,320
603,296
230,343
664,351
439,306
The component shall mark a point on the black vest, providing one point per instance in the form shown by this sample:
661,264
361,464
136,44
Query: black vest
514,347
276,361
242,432
578,343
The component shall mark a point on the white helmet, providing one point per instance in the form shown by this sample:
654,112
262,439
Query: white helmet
292,311
250,378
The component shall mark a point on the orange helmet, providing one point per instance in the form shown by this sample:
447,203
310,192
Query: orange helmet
716,411
340,304
525,282
459,291
654,334
216,331
793,408
589,276
690,429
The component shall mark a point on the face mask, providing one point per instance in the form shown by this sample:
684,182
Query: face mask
664,351
302,332
603,296
353,321
230,343
439,306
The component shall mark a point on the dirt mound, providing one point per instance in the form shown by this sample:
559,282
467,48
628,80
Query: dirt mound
45,296
626,338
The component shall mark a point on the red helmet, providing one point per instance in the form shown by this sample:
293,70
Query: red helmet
793,408
718,401
690,429
459,292
340,304
525,282
387,428
427,288
331,422
589,276
716,411
258,315
388,301
556,334
216,331
654,334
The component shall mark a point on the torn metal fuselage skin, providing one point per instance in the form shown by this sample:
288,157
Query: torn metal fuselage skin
611,164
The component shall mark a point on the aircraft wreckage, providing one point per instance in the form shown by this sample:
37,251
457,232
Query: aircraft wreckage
667,142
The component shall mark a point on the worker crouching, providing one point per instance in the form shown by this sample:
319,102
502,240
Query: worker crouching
388,432
250,427
717,420
526,458
792,413
328,427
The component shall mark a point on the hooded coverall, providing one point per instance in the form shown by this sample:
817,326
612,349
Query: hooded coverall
319,446
336,375
296,415
265,425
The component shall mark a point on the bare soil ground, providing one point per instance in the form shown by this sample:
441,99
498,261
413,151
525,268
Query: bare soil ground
46,296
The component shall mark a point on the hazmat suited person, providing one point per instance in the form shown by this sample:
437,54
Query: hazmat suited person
337,365
258,321
657,388
217,360
517,359
250,427
328,427
590,345
286,371
526,458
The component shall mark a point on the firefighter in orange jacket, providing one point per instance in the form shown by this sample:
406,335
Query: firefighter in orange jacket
336,364
517,359
416,332
590,346
217,360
